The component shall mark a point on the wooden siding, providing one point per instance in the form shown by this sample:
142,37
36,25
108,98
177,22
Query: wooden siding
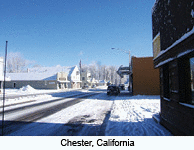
145,77
179,119
173,19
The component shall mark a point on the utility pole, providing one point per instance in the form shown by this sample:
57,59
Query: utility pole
80,66
125,70
4,87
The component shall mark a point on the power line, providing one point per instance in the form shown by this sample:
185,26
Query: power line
127,52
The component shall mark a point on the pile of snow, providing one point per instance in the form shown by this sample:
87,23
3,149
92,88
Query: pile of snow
20,100
27,89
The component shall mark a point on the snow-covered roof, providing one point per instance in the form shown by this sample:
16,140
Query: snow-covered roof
40,73
6,79
102,81
31,76
92,80
52,70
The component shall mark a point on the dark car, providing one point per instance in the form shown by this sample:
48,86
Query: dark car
93,86
85,87
113,90
122,86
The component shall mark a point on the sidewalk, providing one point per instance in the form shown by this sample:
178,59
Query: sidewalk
132,116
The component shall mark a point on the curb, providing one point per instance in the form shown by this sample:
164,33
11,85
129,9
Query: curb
156,118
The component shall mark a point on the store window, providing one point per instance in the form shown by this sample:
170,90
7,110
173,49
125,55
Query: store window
184,80
166,82
192,79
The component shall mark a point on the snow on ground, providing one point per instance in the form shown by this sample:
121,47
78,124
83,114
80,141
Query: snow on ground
84,118
28,90
132,116
25,90
25,99
94,107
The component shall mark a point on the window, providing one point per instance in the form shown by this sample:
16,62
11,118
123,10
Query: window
192,79
83,78
77,72
166,82
14,85
62,79
185,90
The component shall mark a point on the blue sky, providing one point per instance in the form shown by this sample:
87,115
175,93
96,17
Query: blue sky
61,32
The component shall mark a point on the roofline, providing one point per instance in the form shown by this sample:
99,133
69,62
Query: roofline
154,6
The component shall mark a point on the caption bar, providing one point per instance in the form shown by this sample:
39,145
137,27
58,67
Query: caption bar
98,142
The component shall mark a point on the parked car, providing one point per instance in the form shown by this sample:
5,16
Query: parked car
93,86
85,87
129,88
113,90
122,86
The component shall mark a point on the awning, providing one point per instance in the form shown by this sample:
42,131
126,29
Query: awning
63,81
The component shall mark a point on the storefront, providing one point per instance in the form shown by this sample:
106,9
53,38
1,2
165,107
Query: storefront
173,49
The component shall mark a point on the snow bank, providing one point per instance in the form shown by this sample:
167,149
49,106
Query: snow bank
19,100
27,88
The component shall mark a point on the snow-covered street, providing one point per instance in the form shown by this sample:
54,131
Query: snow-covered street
66,113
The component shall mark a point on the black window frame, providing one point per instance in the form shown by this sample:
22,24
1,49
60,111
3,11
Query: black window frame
14,85
192,93
184,72
166,81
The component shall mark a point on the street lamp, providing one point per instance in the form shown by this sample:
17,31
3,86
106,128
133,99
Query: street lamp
127,52
124,70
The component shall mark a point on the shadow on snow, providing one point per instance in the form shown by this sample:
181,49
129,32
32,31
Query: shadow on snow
77,126
84,125
80,126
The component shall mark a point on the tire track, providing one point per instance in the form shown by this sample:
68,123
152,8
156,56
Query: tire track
17,123
37,104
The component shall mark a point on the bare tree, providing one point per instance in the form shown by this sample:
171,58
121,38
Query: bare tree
102,72
92,68
16,63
